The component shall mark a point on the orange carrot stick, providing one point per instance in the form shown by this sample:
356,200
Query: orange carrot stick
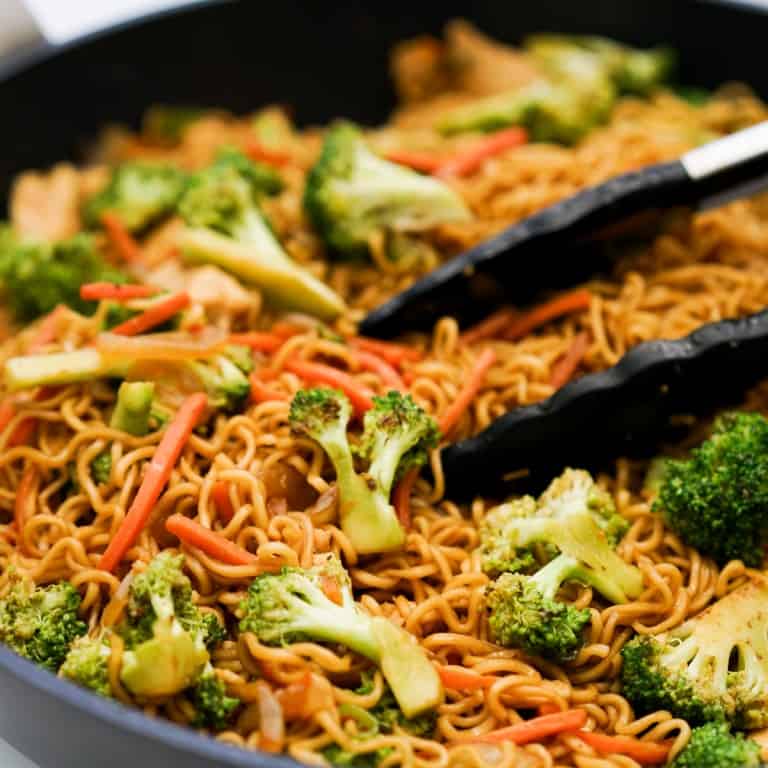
537,728
401,499
643,752
492,326
155,315
419,161
212,543
568,303
318,373
286,329
394,354
469,161
115,292
258,340
123,241
371,362
222,502
461,679
261,393
471,387
257,151
155,479
565,367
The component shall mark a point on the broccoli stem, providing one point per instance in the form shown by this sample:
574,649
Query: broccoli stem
134,403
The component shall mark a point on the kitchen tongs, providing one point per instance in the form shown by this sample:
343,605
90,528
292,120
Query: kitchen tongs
555,247
623,410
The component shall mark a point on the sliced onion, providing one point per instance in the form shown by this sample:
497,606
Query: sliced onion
163,346
271,721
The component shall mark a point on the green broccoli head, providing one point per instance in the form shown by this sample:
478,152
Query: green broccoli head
166,124
36,276
87,665
574,517
213,708
524,612
101,468
713,667
714,746
336,755
40,623
367,517
225,383
165,633
139,194
352,193
397,437
498,551
717,500
291,606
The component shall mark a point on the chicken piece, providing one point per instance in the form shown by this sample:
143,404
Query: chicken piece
209,286
481,66
46,206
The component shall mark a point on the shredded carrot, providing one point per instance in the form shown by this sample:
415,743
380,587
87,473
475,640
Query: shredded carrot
222,502
318,373
471,387
568,303
123,241
155,315
257,151
7,412
548,709
566,366
643,752
331,589
311,694
370,361
401,498
491,327
419,161
48,329
115,292
468,161
394,354
212,543
26,496
258,340
537,728
461,679
155,479
261,393
286,329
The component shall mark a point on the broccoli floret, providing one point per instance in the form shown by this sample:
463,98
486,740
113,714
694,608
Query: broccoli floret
38,276
164,632
291,606
40,623
717,500
582,78
335,755
524,611
225,383
139,194
713,667
397,435
352,193
213,708
87,665
101,468
226,227
213,630
166,124
714,746
134,403
263,179
575,518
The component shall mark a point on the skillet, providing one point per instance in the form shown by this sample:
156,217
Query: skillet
325,60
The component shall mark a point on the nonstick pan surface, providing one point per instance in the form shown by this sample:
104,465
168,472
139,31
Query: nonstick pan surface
325,60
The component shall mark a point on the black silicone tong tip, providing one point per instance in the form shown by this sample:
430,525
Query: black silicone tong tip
624,410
